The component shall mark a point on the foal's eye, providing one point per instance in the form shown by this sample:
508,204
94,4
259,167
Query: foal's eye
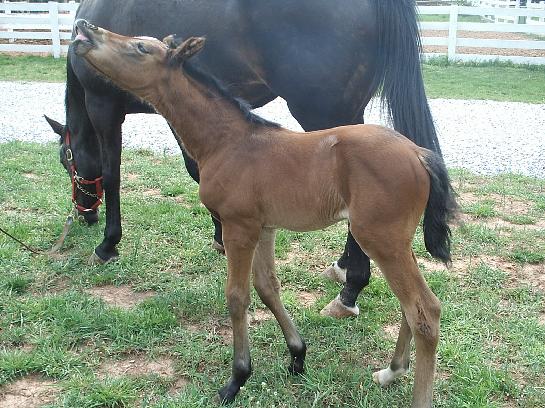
142,49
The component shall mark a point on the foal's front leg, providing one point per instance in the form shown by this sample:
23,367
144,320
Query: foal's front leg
240,243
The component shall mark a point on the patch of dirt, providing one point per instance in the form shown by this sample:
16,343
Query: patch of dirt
137,366
431,266
293,255
31,176
531,275
152,192
391,331
120,296
307,299
132,176
178,385
541,318
28,392
222,330
259,316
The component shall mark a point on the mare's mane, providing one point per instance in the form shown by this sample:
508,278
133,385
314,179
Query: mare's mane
213,84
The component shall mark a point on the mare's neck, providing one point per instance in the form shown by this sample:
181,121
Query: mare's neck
205,122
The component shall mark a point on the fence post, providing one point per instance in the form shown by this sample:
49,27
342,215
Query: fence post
452,32
55,29
10,30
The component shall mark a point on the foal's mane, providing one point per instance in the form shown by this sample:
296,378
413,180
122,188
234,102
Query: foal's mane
214,85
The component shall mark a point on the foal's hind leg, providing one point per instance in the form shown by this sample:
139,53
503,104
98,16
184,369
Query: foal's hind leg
421,313
268,288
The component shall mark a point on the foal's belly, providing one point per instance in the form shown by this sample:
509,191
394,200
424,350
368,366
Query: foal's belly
304,219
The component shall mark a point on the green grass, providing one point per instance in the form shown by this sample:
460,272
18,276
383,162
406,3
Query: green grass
32,68
493,81
492,348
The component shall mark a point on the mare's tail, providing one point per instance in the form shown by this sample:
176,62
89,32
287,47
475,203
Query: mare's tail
398,72
441,207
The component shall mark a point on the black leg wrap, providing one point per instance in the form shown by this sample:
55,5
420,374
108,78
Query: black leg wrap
358,272
217,231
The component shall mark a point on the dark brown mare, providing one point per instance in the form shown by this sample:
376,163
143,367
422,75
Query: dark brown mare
257,177
325,58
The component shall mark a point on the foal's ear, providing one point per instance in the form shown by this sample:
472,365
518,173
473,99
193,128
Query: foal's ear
187,49
56,126
173,41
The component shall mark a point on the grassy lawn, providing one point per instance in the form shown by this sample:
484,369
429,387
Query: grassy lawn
32,68
152,329
499,82
443,18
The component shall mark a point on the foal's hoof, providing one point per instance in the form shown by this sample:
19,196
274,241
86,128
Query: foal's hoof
335,273
227,394
218,247
96,260
337,310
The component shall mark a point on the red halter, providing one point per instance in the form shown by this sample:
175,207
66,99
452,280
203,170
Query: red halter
78,182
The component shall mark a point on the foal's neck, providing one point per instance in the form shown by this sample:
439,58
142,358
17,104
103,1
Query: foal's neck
205,122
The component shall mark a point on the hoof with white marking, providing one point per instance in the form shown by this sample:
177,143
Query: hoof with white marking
385,377
335,273
96,260
337,310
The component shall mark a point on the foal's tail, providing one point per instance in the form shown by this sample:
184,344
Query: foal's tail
441,207
398,72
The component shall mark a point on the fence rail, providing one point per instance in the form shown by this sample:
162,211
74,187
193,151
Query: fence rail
49,25
535,32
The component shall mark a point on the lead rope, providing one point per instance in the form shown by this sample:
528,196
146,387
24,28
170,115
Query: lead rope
58,243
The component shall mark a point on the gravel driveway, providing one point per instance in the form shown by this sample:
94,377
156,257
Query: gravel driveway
483,136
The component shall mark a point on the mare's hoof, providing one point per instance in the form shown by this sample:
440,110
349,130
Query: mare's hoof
96,260
218,247
335,273
385,377
337,310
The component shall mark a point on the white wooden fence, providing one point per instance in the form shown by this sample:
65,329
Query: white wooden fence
535,32
51,23
513,4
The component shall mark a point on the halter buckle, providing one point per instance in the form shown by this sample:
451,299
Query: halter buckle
69,155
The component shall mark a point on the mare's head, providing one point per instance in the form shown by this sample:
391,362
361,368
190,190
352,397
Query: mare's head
136,64
84,195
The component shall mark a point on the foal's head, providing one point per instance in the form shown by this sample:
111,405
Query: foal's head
133,63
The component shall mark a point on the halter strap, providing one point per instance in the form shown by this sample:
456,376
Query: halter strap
78,182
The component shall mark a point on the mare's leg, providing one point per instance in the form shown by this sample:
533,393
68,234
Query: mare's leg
240,242
268,288
193,170
353,267
421,314
107,116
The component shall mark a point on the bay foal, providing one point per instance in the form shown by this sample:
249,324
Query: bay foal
257,176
